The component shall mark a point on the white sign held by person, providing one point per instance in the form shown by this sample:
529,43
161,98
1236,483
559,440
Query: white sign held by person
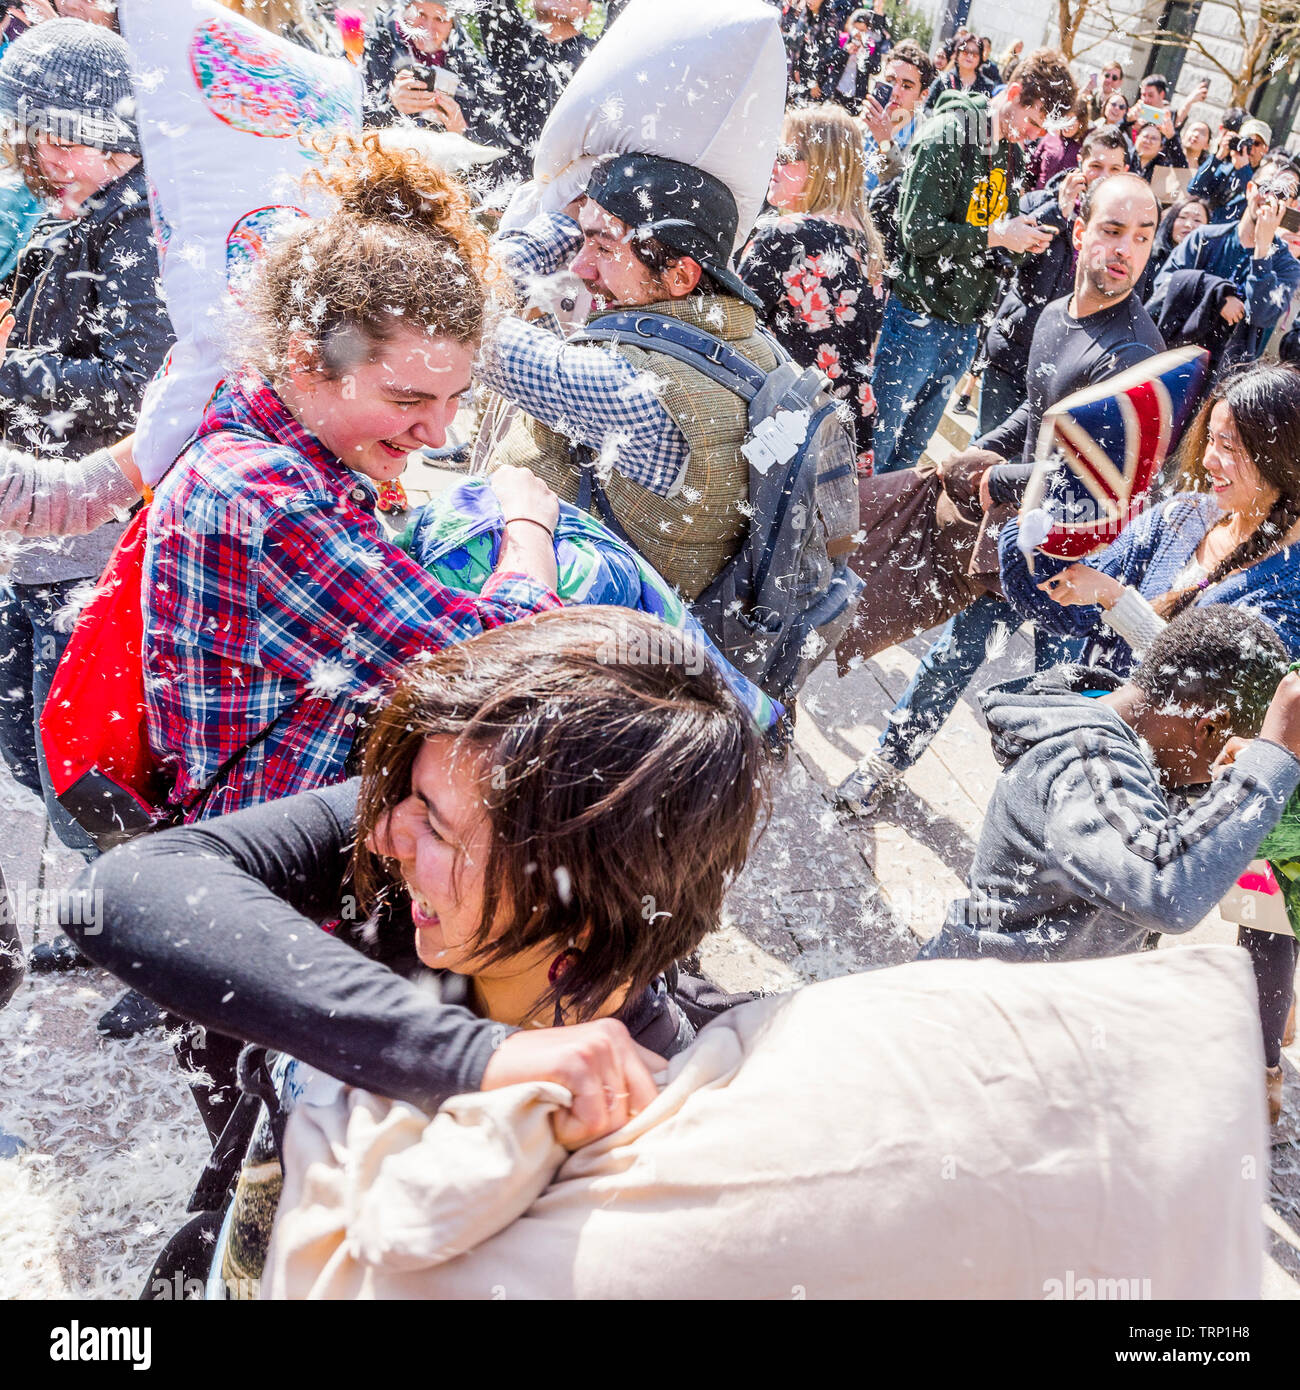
228,114
698,81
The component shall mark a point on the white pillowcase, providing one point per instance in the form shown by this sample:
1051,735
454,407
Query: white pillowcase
698,81
947,1129
227,113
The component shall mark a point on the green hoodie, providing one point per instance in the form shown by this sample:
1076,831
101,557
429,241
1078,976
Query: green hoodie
953,189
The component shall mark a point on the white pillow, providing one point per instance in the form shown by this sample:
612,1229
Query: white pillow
699,81
226,113
947,1129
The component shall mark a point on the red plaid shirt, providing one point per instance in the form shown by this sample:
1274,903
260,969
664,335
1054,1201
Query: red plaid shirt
269,580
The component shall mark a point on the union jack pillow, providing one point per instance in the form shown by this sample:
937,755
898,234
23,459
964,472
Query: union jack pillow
1100,449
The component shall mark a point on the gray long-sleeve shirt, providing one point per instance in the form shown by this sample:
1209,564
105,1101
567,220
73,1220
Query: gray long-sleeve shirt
61,497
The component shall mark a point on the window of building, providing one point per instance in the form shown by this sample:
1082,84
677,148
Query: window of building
1177,20
1278,101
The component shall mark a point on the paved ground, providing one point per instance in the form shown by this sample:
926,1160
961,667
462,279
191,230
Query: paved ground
111,1144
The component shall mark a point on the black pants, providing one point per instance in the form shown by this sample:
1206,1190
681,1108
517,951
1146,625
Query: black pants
12,960
216,1056
1273,958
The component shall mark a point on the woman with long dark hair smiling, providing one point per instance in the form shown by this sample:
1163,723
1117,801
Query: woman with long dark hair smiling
1232,539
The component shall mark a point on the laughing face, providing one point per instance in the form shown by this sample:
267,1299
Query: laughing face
441,839
1237,484
401,399
77,172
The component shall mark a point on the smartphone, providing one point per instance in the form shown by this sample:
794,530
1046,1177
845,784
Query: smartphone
422,74
1291,219
1144,113
883,93
444,81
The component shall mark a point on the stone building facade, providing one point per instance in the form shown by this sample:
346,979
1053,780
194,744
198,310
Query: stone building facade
1215,23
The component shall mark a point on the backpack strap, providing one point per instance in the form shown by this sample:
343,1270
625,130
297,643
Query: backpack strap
707,354
200,797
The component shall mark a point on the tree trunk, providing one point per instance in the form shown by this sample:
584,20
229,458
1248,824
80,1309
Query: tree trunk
1254,63
1067,23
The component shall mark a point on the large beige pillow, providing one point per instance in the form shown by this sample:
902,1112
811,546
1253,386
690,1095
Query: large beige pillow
939,1130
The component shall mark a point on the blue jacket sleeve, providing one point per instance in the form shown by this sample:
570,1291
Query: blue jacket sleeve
1210,181
1021,587
1268,287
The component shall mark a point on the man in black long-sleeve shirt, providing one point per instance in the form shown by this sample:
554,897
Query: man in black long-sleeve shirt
1095,333
1089,336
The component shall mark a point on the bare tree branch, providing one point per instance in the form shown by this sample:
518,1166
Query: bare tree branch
1268,38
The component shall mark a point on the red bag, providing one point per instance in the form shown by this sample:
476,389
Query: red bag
93,724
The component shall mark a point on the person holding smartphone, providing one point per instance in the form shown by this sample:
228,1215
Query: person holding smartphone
1097,93
1251,255
889,110
420,66
858,56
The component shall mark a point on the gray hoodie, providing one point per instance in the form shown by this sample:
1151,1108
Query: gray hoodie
1081,853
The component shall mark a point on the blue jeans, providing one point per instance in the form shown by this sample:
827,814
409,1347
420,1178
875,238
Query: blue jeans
919,361
30,648
948,668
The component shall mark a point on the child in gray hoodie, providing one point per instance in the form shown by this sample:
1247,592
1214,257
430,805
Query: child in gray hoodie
1081,853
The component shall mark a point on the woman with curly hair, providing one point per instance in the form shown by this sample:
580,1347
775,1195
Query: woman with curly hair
276,612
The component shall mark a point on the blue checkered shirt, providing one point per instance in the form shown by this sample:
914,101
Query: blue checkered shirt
589,394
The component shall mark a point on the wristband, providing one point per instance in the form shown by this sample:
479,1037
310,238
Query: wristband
531,521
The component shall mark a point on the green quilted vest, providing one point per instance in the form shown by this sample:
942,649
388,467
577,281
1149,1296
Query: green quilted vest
689,536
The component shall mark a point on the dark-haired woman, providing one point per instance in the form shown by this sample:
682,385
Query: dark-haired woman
1153,149
516,867
964,74
1115,112
1235,543
1181,219
1228,543
275,609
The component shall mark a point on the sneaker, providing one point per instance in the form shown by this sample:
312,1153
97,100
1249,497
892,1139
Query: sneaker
57,955
863,789
131,1015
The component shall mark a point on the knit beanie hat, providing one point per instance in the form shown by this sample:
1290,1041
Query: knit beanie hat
70,80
